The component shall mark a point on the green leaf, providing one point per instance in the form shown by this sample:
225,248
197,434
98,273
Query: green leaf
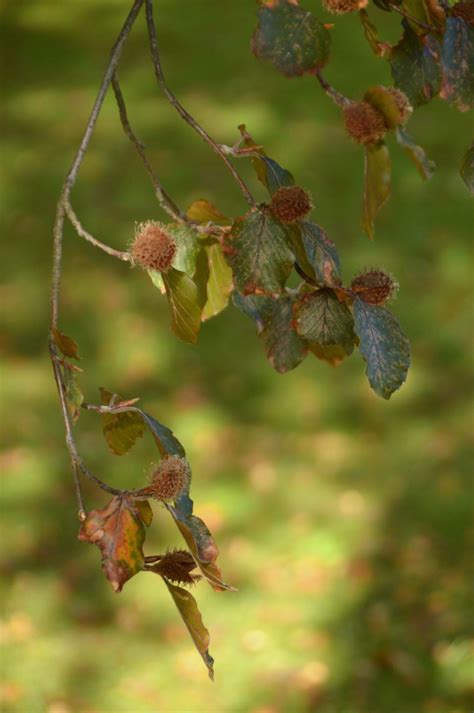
220,283
377,183
321,253
73,393
384,347
65,344
121,430
291,38
424,165
203,211
145,511
184,298
274,317
324,321
467,169
415,66
187,607
381,49
258,251
457,62
118,532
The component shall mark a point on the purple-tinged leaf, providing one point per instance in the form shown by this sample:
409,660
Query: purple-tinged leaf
457,64
324,321
415,66
291,38
284,348
383,345
258,251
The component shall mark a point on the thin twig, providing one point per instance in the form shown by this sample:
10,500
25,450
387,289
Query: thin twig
167,203
337,98
58,232
155,54
82,232
420,23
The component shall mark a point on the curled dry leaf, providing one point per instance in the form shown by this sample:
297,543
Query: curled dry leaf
119,533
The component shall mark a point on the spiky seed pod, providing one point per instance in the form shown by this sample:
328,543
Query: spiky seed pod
153,248
177,566
464,10
169,478
342,7
374,286
290,203
364,123
402,103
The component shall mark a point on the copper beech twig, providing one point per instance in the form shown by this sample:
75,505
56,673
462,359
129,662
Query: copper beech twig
155,55
64,210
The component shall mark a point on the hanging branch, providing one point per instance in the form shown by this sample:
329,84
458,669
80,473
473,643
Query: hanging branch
167,203
181,110
64,208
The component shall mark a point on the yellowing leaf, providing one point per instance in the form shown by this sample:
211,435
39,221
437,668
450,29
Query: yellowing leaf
377,184
118,532
187,607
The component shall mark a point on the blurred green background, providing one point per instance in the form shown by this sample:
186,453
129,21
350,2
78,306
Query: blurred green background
342,519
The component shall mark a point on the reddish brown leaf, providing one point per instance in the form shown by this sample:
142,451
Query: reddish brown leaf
118,532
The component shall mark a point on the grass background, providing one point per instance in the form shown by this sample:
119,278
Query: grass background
342,519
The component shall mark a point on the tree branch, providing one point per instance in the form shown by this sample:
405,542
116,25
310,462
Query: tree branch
167,203
63,207
420,23
181,110
82,232
337,98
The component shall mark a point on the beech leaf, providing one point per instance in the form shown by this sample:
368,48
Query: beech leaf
121,430
258,251
220,283
291,38
321,253
415,66
324,321
118,532
72,392
199,540
383,345
203,211
284,348
457,64
377,184
187,607
65,344
424,165
184,298
372,36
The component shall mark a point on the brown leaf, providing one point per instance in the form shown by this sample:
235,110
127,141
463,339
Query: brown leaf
118,532
187,607
65,344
